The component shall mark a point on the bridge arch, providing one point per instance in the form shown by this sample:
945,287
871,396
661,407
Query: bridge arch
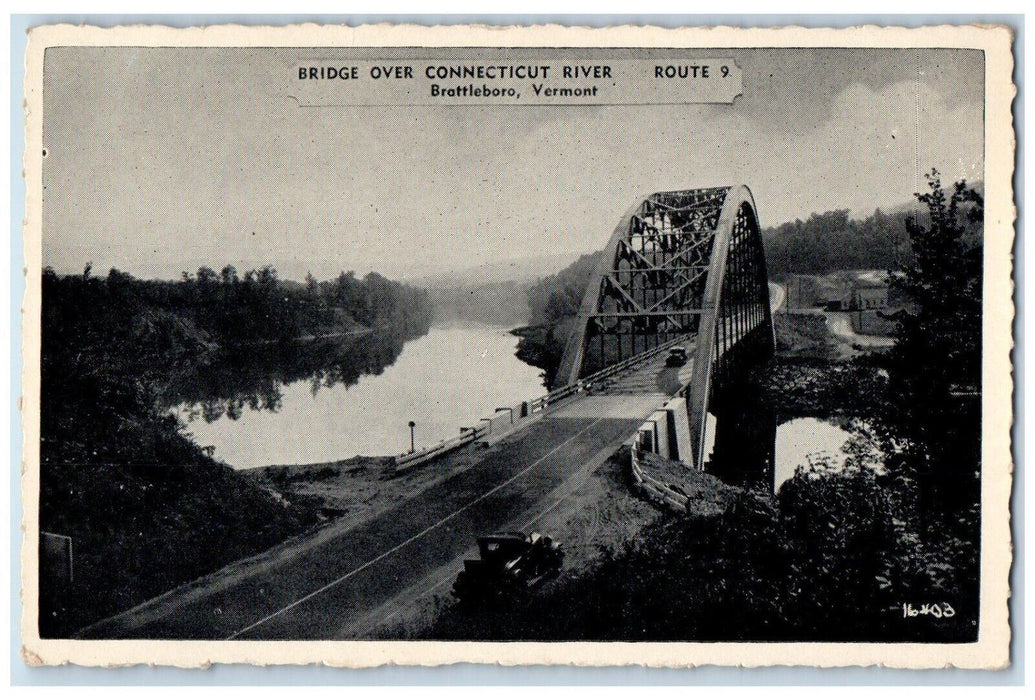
684,266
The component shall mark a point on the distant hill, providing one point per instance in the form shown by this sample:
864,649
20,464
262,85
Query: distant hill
524,269
913,206
493,293
834,240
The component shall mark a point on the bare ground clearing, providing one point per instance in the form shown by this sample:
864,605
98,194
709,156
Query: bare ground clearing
350,492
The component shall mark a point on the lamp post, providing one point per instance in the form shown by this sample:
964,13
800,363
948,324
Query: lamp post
412,426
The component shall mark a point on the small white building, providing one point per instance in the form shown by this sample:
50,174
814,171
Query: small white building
867,291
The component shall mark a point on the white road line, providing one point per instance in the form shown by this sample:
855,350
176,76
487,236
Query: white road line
571,492
420,534
579,476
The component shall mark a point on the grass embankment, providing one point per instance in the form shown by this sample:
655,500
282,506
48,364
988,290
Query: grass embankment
140,530
805,336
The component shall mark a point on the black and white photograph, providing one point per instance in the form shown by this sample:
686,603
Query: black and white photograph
534,335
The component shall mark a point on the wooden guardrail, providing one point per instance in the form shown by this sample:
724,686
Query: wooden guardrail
653,490
527,409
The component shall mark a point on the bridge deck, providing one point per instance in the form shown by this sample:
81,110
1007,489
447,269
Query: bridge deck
324,585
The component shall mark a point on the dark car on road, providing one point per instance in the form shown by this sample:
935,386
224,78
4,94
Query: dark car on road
509,563
676,357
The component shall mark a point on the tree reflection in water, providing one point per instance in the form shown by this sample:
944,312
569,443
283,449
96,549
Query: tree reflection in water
251,377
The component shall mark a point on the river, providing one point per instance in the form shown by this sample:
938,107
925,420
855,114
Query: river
327,401
441,381
761,446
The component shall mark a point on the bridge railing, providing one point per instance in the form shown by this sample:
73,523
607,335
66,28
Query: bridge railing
587,382
527,409
629,362
468,435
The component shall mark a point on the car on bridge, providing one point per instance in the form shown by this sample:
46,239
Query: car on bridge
509,564
676,356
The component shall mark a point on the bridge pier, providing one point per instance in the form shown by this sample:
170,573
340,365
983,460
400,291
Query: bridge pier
667,432
744,449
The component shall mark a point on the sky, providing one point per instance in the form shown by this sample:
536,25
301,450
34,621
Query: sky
163,160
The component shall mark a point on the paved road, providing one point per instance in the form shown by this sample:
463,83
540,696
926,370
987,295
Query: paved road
320,587
840,324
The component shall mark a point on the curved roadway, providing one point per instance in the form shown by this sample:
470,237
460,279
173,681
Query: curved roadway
322,586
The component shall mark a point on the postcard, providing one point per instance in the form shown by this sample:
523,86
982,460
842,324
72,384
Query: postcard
421,345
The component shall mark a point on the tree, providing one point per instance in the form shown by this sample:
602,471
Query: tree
229,275
935,367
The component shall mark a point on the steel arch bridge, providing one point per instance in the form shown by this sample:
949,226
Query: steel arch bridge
685,265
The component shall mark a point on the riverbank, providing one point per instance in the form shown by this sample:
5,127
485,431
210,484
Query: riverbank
542,346
818,373
313,337
353,491
322,402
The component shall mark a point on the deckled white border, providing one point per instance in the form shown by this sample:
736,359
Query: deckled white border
992,649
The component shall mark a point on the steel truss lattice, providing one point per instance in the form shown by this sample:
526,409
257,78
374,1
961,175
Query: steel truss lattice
680,264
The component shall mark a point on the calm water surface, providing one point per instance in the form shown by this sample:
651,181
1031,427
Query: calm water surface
319,404
446,379
800,439
763,447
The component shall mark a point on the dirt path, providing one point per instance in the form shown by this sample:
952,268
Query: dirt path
840,324
777,296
